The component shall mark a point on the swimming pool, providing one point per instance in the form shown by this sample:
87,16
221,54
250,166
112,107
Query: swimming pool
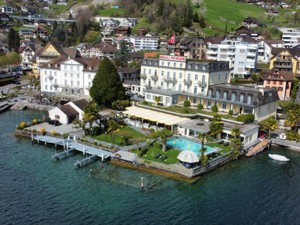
184,144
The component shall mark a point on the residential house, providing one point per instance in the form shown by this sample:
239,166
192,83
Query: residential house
280,81
131,79
142,31
123,30
245,31
68,76
99,51
49,52
144,43
69,112
26,33
252,22
7,9
176,79
190,47
264,52
240,52
41,32
4,17
290,36
285,59
27,50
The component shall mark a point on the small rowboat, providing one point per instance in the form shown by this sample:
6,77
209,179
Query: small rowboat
279,157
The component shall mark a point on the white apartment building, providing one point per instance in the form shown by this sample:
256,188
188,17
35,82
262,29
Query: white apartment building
168,75
144,42
240,54
264,53
68,76
290,36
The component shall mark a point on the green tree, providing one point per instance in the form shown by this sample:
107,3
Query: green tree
186,103
236,145
268,125
107,86
91,36
123,53
216,126
293,116
203,158
294,89
157,99
196,17
113,127
161,136
13,40
202,22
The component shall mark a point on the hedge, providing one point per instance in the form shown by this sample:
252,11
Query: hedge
245,118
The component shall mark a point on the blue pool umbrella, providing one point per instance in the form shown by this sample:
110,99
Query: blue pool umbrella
188,156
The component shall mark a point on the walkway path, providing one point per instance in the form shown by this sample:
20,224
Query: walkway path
290,144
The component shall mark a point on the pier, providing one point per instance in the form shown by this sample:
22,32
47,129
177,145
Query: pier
70,146
259,147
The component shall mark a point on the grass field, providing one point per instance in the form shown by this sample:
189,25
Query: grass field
171,154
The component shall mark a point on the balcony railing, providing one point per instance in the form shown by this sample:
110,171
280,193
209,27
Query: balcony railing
202,84
154,77
170,80
187,82
143,76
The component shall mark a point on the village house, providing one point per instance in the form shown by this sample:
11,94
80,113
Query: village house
280,81
69,112
285,59
290,36
252,22
190,47
144,42
99,51
27,50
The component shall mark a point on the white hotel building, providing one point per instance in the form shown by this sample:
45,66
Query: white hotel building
68,76
144,42
175,79
241,55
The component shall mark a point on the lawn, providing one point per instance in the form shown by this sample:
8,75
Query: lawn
111,12
117,139
156,149
225,149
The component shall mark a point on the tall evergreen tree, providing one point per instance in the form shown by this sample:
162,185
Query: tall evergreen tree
13,40
107,86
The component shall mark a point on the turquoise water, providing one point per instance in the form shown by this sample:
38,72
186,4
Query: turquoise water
184,144
34,189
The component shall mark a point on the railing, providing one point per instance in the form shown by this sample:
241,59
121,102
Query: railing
143,76
187,82
202,84
170,80
154,77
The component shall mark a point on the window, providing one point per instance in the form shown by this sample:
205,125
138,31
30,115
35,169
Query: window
280,89
46,87
196,77
174,64
78,75
225,76
180,75
162,63
89,76
78,83
274,81
242,51
242,97
180,87
219,77
225,95
71,83
195,90
249,99
280,82
71,75
180,65
66,82
162,73
202,89
209,93
233,96
224,106
217,94
45,79
45,72
168,75
174,76
189,77
208,104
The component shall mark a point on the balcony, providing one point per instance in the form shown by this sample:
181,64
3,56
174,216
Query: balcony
154,77
143,76
202,84
170,80
148,86
187,82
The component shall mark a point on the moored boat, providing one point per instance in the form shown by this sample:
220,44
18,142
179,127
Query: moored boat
279,157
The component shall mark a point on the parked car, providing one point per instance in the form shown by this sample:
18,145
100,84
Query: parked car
16,82
54,122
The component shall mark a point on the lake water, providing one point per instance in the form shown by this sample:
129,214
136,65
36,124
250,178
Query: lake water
34,189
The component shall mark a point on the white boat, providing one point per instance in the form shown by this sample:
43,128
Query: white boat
279,157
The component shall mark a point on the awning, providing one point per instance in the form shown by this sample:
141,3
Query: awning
188,157
154,116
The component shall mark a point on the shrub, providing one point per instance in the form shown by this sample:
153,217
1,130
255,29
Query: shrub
42,130
215,108
145,102
186,103
293,136
230,112
54,133
200,106
35,121
65,136
186,111
245,118
143,151
22,125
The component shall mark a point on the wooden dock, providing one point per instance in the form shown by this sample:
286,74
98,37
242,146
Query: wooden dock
259,147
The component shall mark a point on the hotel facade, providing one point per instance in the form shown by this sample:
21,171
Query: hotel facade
176,79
